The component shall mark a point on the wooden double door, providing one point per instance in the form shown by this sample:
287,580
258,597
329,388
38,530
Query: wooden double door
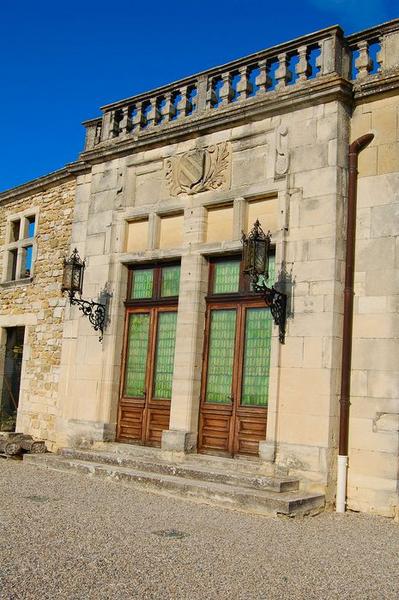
235,377
147,374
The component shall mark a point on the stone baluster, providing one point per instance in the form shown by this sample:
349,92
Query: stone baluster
97,135
303,69
181,105
168,110
226,91
190,103
115,119
263,80
138,118
186,103
282,73
125,124
363,63
157,110
151,114
244,86
211,96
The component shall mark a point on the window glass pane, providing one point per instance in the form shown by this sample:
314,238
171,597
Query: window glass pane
255,385
13,264
28,261
221,356
31,226
142,283
226,277
15,228
165,354
170,281
136,358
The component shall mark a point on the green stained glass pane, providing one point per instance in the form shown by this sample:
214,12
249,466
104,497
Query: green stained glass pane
221,356
136,360
227,277
170,281
165,354
142,283
255,384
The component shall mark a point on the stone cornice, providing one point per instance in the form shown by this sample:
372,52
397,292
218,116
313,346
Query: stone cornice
310,93
40,184
375,86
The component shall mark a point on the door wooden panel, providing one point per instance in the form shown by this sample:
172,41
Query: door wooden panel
214,430
250,430
130,421
235,377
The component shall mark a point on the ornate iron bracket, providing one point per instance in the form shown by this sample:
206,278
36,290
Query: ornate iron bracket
256,252
93,310
277,301
72,283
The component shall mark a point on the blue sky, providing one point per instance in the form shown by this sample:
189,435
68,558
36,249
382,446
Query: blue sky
60,61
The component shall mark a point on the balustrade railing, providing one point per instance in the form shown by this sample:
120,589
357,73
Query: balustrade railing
291,64
373,50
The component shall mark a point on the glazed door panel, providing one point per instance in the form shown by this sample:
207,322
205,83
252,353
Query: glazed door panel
146,388
218,386
235,378
161,375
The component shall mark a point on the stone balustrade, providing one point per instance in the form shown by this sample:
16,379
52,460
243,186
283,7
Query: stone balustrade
286,66
373,50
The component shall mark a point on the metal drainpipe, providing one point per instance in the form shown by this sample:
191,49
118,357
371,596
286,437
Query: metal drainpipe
354,149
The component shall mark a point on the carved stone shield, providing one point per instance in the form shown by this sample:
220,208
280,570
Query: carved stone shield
199,170
191,168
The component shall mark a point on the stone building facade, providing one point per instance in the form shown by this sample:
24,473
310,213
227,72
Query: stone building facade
36,216
190,359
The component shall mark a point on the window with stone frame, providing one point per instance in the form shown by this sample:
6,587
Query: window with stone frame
20,246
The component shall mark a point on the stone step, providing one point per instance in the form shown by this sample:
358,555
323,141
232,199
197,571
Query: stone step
241,463
262,502
190,468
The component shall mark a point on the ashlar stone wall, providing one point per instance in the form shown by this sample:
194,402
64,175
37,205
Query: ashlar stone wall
305,179
38,305
374,422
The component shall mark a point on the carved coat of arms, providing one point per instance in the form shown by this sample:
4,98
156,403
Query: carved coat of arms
199,170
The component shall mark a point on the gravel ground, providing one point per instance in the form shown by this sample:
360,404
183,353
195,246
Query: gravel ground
69,536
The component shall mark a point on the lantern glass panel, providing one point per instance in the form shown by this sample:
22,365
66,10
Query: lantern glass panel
249,255
77,277
261,257
67,277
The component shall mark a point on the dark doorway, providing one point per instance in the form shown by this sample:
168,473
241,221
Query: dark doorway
12,367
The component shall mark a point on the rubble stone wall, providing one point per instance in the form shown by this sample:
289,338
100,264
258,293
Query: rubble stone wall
38,305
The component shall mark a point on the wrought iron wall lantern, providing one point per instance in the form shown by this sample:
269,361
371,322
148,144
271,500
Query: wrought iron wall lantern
256,251
72,283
